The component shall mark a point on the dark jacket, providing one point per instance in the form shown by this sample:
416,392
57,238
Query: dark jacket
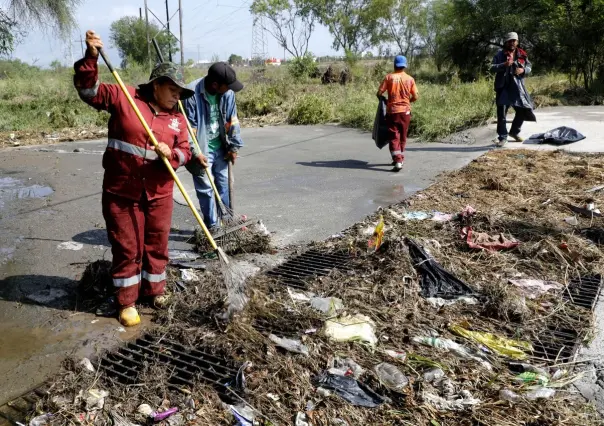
510,88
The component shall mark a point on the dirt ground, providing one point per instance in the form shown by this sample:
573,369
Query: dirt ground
519,199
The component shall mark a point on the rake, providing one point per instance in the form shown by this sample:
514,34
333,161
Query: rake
233,229
234,274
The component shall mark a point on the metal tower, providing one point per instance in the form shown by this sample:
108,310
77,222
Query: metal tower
259,40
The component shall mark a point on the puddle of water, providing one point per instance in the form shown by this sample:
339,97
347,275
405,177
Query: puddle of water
14,189
18,342
385,196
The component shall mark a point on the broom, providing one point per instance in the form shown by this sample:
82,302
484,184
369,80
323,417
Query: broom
233,226
234,275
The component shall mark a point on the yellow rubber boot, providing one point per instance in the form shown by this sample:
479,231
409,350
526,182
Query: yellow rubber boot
129,317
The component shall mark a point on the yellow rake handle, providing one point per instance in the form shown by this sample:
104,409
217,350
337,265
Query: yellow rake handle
155,143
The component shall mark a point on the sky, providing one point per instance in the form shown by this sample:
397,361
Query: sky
210,27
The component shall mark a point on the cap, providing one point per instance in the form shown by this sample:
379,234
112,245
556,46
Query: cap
511,36
173,72
400,62
223,73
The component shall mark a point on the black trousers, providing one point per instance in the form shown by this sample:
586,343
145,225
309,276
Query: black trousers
502,129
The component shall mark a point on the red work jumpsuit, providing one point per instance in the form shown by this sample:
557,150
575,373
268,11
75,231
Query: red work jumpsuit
137,186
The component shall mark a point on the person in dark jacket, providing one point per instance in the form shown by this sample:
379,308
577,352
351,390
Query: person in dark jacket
137,186
512,66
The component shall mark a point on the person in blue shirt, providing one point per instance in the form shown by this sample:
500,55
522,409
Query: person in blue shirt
212,112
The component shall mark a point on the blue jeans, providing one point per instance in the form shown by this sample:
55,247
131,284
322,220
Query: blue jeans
218,166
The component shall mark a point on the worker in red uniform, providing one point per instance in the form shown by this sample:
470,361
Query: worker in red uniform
402,91
137,186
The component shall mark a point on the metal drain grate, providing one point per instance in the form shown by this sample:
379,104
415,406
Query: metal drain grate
556,345
310,264
15,412
584,291
188,364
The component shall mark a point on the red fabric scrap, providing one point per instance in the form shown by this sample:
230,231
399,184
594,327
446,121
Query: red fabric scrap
485,241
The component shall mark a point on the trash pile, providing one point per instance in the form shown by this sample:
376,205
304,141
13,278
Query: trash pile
427,324
254,238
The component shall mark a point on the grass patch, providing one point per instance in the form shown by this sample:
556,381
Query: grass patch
37,101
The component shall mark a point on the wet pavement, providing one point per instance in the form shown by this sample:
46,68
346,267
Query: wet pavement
305,183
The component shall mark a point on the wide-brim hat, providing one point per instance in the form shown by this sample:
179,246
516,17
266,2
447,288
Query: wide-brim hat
172,72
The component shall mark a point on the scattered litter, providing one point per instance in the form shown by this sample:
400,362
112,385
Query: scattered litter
518,367
179,255
42,420
547,202
434,374
531,378
95,399
345,367
468,212
87,365
119,420
349,389
378,235
70,245
544,393
532,288
435,280
94,321
508,395
301,419
120,330
571,221
442,217
327,305
145,410
188,275
416,216
589,213
441,404
158,417
244,414
506,347
195,264
272,397
596,188
391,377
324,393
485,241
290,345
401,356
348,328
300,296
439,302
457,349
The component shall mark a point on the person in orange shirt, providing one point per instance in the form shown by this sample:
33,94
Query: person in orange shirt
402,91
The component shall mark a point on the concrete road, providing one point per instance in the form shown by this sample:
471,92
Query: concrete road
305,183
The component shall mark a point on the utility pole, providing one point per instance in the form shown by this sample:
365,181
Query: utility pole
82,44
169,33
182,46
140,13
148,41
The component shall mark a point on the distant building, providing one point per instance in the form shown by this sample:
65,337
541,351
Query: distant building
276,62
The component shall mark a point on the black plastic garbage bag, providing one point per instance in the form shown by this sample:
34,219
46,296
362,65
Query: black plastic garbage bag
349,389
435,280
380,127
559,136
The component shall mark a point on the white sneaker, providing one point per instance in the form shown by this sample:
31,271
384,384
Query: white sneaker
398,167
501,142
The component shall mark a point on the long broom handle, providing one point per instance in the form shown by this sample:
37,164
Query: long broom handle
156,144
194,138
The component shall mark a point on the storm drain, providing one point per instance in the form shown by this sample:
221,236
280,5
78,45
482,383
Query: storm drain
556,346
188,365
584,291
311,264
15,412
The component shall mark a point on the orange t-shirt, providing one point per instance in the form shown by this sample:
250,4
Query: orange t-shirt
400,87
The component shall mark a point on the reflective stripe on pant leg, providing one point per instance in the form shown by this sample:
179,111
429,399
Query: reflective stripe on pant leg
124,222
157,231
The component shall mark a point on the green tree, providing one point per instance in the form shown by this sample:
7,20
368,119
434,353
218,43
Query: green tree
290,22
352,23
17,17
129,35
404,25
235,60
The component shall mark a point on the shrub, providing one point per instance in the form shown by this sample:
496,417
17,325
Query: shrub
302,67
311,109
